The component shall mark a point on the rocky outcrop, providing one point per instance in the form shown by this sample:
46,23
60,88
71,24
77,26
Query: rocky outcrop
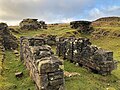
82,26
31,24
7,39
43,66
82,52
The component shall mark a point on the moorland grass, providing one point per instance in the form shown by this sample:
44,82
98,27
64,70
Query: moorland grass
86,81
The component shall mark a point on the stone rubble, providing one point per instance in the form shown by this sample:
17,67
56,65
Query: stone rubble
43,65
8,40
71,74
82,26
31,24
19,74
49,39
80,50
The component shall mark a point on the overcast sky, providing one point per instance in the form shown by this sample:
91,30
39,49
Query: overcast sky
51,11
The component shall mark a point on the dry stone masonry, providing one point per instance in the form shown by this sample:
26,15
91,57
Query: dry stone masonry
7,39
49,39
2,57
7,42
82,26
2,49
81,51
31,24
43,65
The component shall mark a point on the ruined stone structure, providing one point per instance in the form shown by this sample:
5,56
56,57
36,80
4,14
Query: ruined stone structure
82,52
82,26
31,24
49,39
6,38
2,57
2,49
43,66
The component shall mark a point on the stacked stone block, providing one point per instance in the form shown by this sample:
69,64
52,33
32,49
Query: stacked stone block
82,52
82,26
2,49
43,66
31,24
6,38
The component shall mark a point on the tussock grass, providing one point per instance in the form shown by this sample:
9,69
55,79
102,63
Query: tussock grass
86,81
8,81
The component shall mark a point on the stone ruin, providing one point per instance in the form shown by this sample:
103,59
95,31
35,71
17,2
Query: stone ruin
6,38
30,24
43,65
80,51
49,39
82,26
2,56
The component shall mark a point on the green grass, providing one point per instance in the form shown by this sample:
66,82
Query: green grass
109,28
90,81
59,31
112,30
8,80
86,81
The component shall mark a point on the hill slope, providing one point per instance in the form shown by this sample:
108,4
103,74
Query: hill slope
87,80
107,22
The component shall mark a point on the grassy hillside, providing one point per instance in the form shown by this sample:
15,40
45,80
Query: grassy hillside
107,21
86,81
8,81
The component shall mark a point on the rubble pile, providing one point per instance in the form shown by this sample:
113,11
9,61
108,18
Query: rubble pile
2,54
49,39
2,57
7,39
31,24
82,26
82,52
43,65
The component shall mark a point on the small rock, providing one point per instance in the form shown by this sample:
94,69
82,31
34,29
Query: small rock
16,52
71,74
10,62
19,74
108,84
77,64
17,55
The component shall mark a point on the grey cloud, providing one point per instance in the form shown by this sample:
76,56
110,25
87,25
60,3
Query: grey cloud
49,10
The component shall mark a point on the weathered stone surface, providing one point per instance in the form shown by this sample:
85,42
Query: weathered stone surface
71,74
80,50
16,52
56,75
82,26
19,74
36,41
31,24
49,39
43,66
8,40
41,51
